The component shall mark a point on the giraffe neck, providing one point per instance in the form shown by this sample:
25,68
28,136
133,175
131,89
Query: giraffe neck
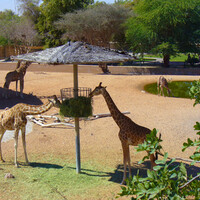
34,110
116,114
22,68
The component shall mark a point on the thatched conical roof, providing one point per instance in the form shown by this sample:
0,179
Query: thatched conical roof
74,53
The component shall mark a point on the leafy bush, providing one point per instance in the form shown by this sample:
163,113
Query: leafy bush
168,180
195,143
195,92
76,107
3,41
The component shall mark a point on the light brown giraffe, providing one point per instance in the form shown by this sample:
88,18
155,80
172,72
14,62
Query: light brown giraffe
15,119
130,133
17,75
162,83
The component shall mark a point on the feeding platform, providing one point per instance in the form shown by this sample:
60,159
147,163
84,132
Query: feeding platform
79,105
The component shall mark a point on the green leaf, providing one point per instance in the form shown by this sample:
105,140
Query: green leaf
150,174
174,175
157,167
153,192
197,126
141,187
195,156
183,170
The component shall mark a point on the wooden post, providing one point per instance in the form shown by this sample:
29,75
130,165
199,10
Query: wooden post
78,156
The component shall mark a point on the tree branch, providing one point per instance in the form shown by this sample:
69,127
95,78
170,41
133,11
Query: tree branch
178,158
189,181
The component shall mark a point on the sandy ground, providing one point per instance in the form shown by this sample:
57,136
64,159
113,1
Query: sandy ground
173,117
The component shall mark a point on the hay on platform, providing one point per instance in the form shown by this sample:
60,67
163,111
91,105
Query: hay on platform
76,107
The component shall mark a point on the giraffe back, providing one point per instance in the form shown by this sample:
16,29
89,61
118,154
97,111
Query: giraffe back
132,132
13,117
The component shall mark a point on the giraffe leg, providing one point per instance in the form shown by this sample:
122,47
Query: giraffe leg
24,143
16,145
162,92
16,87
158,88
21,87
1,136
168,91
125,148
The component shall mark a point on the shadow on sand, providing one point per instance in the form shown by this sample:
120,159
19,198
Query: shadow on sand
117,175
13,99
45,165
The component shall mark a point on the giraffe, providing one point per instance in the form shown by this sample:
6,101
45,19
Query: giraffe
15,119
130,133
162,83
17,75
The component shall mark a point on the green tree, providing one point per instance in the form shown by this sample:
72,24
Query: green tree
165,26
51,11
17,30
98,25
30,9
7,20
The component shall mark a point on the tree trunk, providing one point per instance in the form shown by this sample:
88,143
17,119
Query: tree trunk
166,60
104,68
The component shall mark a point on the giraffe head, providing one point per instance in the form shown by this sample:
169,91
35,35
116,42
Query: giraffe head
55,101
98,90
27,63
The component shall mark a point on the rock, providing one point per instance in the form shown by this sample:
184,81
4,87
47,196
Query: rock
9,175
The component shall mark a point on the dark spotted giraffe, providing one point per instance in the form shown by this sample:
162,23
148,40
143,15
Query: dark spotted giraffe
130,133
17,75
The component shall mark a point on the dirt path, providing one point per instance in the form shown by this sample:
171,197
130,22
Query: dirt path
173,117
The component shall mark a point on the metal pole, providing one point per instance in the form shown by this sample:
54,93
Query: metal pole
78,155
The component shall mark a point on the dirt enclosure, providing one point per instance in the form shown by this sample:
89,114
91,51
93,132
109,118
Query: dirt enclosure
173,117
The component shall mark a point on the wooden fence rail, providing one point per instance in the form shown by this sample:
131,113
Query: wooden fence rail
13,50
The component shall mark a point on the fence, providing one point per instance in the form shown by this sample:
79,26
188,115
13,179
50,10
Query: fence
13,50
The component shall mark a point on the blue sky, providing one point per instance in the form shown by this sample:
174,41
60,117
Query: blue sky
12,4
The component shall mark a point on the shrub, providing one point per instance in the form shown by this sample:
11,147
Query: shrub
76,107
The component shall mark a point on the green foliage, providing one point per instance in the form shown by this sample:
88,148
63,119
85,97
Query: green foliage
8,21
107,20
195,92
17,29
195,143
166,48
164,182
151,145
51,11
167,26
168,180
3,41
180,89
29,9
76,107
